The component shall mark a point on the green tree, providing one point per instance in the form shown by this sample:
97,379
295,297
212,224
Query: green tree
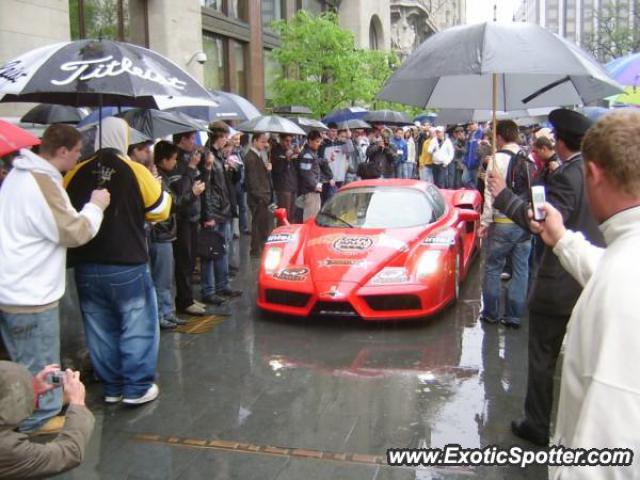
323,69
617,31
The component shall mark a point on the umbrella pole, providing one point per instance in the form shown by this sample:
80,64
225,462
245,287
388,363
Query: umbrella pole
493,113
100,121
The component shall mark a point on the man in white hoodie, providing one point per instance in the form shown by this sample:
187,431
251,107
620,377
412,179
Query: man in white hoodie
599,404
37,225
442,152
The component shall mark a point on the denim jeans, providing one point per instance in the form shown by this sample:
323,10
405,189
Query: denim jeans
441,176
214,274
426,173
120,313
506,240
33,340
161,261
404,170
470,177
241,199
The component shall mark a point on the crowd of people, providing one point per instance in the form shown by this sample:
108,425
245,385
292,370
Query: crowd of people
138,221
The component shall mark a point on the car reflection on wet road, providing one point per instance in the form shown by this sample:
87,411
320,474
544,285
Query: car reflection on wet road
263,398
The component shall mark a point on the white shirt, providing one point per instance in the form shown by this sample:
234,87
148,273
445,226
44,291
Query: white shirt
599,403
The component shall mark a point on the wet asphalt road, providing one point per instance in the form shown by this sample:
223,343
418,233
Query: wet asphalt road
331,394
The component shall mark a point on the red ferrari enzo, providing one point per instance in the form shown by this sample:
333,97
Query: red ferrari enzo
379,249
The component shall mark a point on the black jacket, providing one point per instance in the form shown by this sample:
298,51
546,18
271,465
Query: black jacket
382,158
284,174
164,232
555,292
218,200
309,174
189,211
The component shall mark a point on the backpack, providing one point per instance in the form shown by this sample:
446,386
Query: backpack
520,173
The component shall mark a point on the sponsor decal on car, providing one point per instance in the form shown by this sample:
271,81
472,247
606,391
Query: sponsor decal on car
344,262
444,240
292,274
280,238
352,244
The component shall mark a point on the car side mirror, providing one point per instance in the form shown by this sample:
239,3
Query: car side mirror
468,215
281,217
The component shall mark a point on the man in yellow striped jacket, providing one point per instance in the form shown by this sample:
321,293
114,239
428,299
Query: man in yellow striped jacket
115,288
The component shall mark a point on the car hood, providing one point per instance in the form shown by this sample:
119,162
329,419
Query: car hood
355,255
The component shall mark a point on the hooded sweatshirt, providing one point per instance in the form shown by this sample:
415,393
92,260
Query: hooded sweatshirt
37,224
136,196
19,457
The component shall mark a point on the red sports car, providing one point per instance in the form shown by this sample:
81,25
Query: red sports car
379,249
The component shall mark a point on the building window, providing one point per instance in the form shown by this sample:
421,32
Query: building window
272,70
238,50
315,7
238,9
272,10
108,19
216,67
375,33
216,5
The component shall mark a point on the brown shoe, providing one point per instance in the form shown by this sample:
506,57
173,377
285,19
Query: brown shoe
52,426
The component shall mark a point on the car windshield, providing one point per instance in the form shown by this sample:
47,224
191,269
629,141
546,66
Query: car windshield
378,207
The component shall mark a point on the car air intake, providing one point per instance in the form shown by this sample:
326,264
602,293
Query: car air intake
291,299
342,309
385,303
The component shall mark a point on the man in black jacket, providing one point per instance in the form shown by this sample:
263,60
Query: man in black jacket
187,221
554,292
218,211
284,174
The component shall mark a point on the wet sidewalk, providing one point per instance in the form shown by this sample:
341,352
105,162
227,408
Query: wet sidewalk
257,398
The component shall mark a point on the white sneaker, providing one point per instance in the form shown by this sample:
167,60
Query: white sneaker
194,309
199,304
149,396
112,399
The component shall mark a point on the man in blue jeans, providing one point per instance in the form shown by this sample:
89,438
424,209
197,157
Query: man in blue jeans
505,239
218,210
116,293
37,224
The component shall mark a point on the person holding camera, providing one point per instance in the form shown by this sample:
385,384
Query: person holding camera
218,211
554,292
188,183
19,394
38,223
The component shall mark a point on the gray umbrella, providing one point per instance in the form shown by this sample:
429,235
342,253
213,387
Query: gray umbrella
308,124
530,66
449,116
388,117
353,124
272,124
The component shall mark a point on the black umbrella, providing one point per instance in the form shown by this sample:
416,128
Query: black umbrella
95,73
388,117
156,123
47,114
229,107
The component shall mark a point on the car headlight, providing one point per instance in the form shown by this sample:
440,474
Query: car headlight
391,275
272,259
428,263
